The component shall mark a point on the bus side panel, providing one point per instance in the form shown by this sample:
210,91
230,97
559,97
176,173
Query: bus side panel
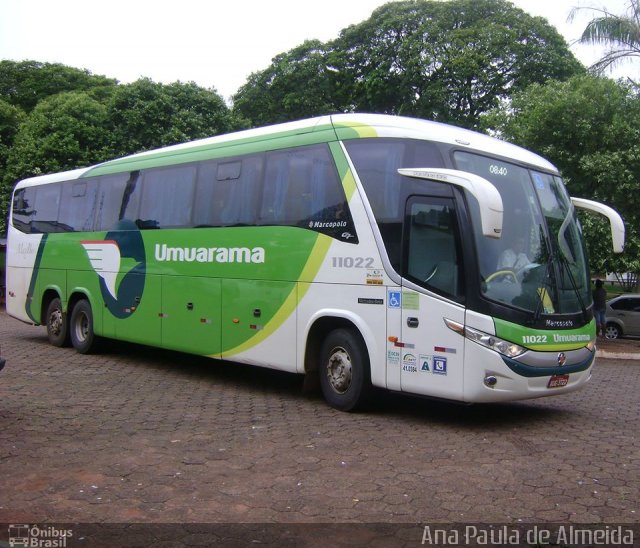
258,322
141,321
48,279
18,281
85,282
191,314
361,305
21,263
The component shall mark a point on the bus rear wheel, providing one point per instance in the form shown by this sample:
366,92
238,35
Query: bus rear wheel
57,326
81,328
344,370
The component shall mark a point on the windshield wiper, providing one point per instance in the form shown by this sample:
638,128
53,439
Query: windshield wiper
564,263
545,284
566,254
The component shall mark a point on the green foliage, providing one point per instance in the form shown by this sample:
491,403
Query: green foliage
64,131
24,84
621,33
10,120
448,61
590,128
146,115
298,84
80,128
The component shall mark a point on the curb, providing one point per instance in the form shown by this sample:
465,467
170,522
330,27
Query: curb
604,354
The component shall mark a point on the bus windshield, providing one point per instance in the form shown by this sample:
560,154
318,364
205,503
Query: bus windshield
539,264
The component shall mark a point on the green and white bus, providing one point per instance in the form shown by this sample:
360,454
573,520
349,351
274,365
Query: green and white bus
369,250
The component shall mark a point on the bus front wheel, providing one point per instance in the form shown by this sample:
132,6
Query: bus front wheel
344,370
81,328
57,326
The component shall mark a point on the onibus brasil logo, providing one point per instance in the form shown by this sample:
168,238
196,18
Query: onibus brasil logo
24,535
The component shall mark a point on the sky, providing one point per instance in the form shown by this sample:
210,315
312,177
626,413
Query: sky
214,43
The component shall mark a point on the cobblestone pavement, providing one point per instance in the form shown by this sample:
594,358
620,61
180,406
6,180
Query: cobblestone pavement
136,435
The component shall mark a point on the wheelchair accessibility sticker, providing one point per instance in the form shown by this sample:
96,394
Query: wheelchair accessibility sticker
394,299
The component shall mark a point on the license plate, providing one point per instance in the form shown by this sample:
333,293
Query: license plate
557,381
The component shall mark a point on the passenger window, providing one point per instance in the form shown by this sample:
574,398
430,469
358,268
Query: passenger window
111,198
24,208
78,205
47,202
377,162
302,188
167,197
227,193
432,249
229,171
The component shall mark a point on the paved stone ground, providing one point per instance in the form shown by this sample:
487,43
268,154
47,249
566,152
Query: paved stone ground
136,435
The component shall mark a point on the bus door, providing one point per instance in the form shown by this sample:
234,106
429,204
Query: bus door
432,353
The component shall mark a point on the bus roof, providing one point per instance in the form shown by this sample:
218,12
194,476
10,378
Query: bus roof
309,131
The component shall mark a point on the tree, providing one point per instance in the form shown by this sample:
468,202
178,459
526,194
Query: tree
10,119
146,115
590,128
24,84
298,84
63,132
620,32
448,61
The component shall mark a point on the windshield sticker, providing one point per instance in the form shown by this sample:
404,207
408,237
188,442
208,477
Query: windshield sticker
538,180
410,301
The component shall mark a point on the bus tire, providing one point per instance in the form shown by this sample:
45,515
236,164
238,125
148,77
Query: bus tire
83,338
57,325
345,377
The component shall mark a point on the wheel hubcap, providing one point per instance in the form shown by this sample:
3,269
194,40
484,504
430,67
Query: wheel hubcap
82,327
55,322
339,370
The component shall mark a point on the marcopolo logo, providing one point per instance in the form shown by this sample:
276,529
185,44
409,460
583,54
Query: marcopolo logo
106,257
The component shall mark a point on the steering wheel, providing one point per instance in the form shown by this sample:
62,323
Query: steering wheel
503,275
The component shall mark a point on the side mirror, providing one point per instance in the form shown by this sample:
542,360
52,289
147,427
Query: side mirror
616,222
488,197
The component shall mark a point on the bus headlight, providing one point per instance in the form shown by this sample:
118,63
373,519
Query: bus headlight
507,348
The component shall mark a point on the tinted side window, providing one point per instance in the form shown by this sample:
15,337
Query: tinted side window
24,208
208,202
113,199
227,193
302,188
78,205
377,162
626,304
44,215
432,249
167,197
